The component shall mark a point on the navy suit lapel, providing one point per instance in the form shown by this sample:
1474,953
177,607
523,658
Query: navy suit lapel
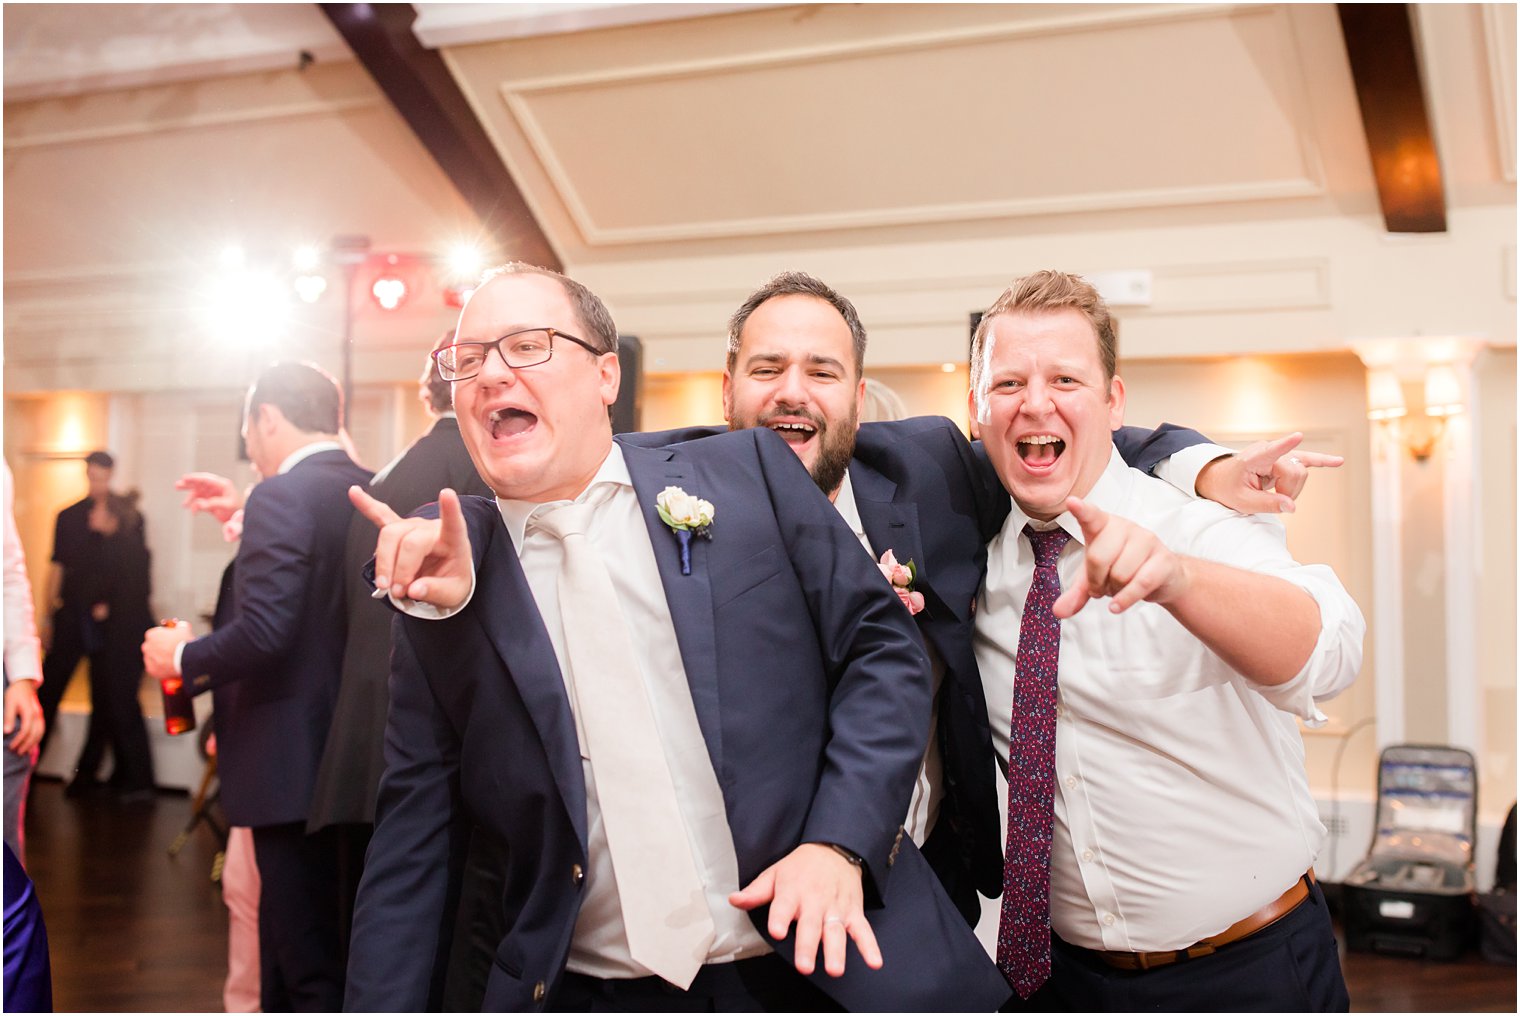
512,623
889,525
688,596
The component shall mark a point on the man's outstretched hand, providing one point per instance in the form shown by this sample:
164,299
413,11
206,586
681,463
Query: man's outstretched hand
819,889
215,495
427,560
1121,560
1264,478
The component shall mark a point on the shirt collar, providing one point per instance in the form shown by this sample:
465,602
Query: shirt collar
305,452
1107,493
844,502
517,513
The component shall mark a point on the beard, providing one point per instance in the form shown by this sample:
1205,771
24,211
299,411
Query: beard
836,444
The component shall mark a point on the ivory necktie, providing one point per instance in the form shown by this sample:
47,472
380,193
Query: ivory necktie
664,905
1023,950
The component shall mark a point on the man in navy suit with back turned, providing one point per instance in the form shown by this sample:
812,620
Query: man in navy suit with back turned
789,689
796,351
273,671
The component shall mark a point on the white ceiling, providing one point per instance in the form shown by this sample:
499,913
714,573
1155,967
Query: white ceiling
67,49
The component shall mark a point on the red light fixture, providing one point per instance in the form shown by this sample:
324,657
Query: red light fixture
389,291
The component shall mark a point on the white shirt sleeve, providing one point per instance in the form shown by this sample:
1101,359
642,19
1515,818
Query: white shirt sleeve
1182,469
23,651
1259,543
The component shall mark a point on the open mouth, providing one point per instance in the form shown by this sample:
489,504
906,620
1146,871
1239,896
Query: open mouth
1040,451
507,423
794,433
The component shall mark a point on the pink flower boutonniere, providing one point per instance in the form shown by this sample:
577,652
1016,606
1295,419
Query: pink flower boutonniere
901,577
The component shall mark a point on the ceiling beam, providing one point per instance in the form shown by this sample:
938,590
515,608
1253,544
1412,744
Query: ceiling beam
422,90
1386,72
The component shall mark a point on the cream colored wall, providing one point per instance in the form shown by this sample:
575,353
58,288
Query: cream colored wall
1495,371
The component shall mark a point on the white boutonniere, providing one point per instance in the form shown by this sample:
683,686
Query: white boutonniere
686,516
901,577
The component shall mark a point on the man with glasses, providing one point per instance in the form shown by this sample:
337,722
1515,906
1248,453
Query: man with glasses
273,670
670,683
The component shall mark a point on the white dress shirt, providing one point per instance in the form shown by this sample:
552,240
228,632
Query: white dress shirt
1181,802
22,650
928,789
599,946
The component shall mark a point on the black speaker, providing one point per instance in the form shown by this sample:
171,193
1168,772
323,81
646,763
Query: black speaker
626,411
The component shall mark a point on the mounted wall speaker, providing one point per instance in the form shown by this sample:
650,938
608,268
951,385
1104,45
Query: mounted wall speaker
626,411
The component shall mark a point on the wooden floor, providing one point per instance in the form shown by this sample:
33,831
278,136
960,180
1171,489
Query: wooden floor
133,930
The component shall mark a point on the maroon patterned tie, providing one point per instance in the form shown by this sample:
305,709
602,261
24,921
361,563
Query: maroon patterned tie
1023,951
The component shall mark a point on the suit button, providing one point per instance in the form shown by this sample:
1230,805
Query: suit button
577,875
538,992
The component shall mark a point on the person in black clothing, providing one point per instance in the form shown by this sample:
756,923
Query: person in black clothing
98,594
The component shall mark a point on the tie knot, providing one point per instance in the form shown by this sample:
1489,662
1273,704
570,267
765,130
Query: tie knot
566,520
1047,544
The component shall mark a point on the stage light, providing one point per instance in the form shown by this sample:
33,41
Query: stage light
306,258
232,257
248,307
389,291
465,261
310,287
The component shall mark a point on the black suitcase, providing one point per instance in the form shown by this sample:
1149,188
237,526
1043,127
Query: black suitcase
1413,894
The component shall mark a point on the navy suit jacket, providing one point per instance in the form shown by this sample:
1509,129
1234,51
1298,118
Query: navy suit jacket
929,496
806,675
273,669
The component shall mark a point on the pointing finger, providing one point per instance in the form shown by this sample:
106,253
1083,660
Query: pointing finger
377,512
1273,450
1072,600
1091,518
451,515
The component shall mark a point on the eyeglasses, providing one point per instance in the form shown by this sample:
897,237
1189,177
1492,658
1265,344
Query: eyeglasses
527,348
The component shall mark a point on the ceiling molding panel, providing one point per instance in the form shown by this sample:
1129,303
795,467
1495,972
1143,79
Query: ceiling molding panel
919,126
1499,35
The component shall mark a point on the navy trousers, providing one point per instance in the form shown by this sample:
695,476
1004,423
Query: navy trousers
1291,966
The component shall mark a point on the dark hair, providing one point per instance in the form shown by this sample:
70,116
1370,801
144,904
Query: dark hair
440,393
102,459
797,284
588,306
305,393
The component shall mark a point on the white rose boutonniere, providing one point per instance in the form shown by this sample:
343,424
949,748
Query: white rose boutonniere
901,577
686,516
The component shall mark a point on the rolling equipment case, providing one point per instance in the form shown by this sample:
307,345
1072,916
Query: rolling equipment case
1413,893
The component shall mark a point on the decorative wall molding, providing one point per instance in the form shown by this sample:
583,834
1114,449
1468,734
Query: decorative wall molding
197,121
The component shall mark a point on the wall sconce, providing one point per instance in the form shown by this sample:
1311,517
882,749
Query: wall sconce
1419,434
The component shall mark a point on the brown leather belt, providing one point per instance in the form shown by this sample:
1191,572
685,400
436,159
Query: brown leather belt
1267,915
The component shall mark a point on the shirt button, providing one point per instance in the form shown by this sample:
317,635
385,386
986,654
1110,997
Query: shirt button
538,992
1087,855
577,875
1109,919
1071,783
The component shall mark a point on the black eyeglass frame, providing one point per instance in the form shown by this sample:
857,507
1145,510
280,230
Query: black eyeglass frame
486,347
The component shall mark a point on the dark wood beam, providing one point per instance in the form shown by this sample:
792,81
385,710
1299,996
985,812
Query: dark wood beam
1386,72
422,90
